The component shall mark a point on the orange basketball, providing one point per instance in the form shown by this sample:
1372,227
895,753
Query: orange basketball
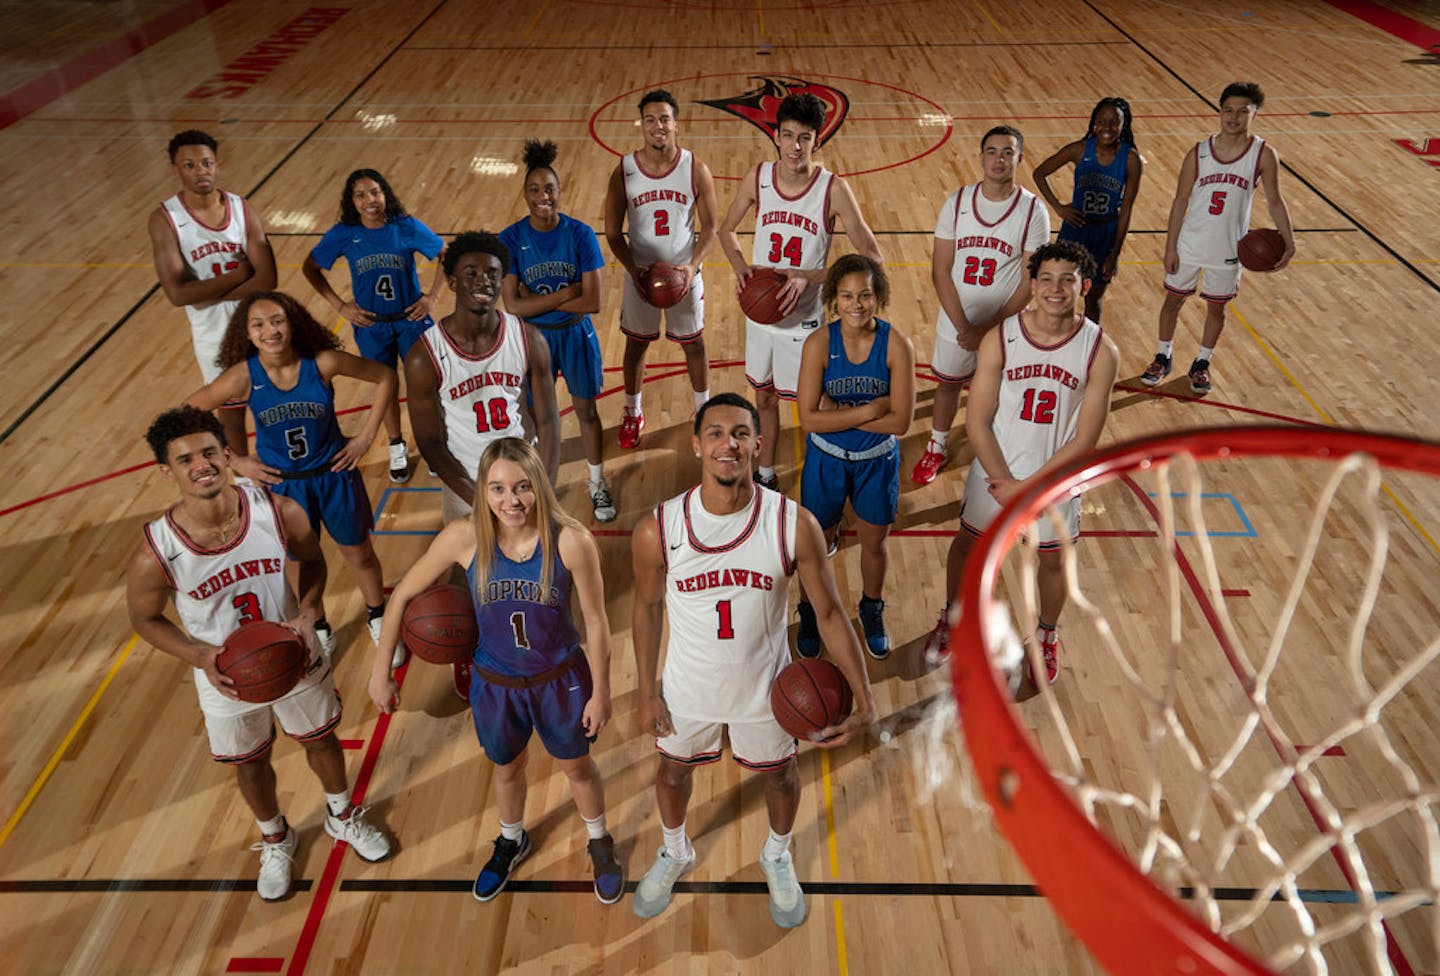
264,659
760,298
1261,249
663,285
439,625
809,695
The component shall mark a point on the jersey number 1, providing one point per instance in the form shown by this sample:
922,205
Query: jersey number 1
726,630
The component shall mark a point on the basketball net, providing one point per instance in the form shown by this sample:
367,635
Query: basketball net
1262,692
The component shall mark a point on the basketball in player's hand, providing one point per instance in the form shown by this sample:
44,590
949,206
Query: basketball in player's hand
264,659
1261,249
663,285
809,695
439,625
760,298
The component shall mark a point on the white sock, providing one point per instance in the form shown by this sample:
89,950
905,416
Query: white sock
701,398
596,475
775,846
269,828
937,437
1205,354
767,473
677,845
1165,348
338,802
512,831
632,403
595,828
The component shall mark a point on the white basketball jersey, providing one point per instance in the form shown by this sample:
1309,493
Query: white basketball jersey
1219,211
216,590
727,581
793,232
1041,389
990,241
661,210
208,251
480,396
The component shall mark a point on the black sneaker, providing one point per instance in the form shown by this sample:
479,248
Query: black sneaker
807,638
772,482
1200,377
1156,371
872,621
609,875
496,872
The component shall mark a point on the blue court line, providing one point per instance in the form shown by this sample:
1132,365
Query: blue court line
385,498
1248,533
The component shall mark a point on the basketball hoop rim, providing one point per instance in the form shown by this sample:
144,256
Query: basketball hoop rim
1122,916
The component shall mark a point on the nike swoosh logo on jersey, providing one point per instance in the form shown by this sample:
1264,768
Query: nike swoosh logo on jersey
676,546
258,386
574,687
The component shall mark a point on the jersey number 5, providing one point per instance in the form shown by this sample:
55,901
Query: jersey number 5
781,249
979,271
1217,202
491,415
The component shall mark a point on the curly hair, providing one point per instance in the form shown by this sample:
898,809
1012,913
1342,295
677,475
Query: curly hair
307,337
394,209
177,423
1063,251
856,264
539,155
474,242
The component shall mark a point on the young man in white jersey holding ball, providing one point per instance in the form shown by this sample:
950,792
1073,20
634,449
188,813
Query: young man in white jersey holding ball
796,203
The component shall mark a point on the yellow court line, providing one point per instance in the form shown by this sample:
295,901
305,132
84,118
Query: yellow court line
760,15
59,753
840,939
1270,353
981,7
538,14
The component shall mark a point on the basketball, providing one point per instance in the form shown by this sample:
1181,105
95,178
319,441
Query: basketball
663,284
1261,249
809,695
760,297
264,659
439,625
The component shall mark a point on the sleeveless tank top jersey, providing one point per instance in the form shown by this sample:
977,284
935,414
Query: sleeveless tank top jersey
208,251
523,631
661,210
793,232
851,384
989,252
295,429
479,395
1219,211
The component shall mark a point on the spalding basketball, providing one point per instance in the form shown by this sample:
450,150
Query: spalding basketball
264,659
809,695
663,285
760,298
439,625
1261,249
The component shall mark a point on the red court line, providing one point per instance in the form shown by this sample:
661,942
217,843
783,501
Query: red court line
352,743
85,68
256,964
1330,751
1391,22
1234,592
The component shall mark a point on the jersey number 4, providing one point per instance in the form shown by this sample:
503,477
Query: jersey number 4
491,415
781,249
385,287
1039,406
979,271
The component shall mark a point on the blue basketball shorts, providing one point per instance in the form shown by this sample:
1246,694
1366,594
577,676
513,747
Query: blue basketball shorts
388,342
575,355
872,486
336,500
1098,239
505,717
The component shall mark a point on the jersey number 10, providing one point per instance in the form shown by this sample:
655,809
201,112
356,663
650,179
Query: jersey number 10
491,415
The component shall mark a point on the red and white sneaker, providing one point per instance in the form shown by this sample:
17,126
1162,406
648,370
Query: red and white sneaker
631,424
929,464
462,680
937,645
1049,643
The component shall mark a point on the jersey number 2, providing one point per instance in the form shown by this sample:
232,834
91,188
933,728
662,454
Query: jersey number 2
662,223
491,415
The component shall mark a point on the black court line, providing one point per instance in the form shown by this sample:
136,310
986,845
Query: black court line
1284,165
463,886
758,45
124,319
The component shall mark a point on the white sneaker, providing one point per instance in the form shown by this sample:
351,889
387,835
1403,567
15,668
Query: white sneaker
368,842
787,900
400,653
327,640
653,893
275,863
399,463
604,504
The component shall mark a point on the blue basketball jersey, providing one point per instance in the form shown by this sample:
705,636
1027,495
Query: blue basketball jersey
295,429
1099,190
851,384
382,261
545,261
522,630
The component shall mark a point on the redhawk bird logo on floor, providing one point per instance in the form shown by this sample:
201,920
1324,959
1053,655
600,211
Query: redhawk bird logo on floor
759,105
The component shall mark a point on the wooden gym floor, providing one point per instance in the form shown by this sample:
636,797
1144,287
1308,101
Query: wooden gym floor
125,849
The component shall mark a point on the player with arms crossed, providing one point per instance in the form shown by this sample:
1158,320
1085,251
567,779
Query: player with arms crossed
387,310
1209,215
469,379
718,558
525,559
220,554
796,203
553,282
663,192
283,363
210,251
984,235
1107,177
857,396
1039,399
